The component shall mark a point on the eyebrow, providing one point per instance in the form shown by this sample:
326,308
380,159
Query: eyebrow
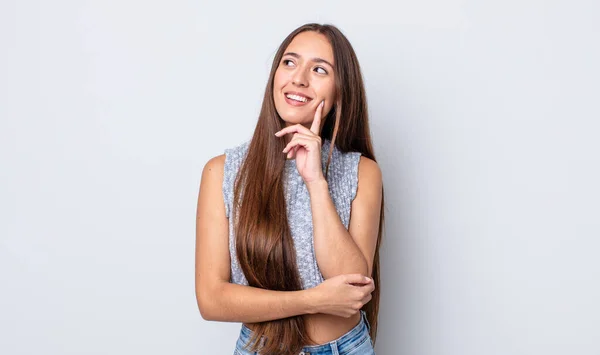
316,60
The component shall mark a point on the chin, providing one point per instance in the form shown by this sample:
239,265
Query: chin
293,120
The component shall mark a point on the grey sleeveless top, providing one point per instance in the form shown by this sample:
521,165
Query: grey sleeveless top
342,181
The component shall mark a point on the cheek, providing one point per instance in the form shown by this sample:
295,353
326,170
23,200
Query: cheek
327,90
279,79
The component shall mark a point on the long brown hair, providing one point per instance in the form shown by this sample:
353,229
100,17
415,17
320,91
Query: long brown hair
264,245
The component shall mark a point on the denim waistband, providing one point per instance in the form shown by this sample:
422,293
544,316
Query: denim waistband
346,341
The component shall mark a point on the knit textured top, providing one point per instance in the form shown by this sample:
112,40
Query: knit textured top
342,181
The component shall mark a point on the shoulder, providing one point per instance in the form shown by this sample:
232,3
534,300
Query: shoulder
213,182
369,170
369,184
213,169
215,163
360,165
221,164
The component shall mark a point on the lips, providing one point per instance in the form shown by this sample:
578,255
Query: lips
298,94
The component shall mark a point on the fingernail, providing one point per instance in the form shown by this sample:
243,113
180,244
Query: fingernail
322,103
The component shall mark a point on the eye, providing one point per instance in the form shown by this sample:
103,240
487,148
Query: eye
285,61
323,69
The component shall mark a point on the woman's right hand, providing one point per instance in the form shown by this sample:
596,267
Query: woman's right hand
342,295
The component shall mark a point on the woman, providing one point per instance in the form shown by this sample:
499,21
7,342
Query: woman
289,224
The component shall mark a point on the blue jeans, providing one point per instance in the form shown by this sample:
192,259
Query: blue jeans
356,341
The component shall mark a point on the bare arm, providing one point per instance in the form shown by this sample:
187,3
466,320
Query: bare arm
238,303
217,298
339,250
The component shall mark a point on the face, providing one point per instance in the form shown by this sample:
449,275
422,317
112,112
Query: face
306,73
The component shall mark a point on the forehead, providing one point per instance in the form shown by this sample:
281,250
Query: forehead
310,44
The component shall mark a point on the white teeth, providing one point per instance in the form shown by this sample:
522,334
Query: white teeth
296,98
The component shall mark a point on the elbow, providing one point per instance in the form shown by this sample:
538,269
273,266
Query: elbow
205,312
206,304
204,308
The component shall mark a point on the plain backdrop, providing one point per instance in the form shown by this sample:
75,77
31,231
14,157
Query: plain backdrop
485,120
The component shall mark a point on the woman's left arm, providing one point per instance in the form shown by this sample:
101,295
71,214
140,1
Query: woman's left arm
344,251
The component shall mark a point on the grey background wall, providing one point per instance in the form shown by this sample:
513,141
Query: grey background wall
485,121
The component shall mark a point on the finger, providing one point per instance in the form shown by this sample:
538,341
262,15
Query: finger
366,287
297,128
309,143
370,287
316,124
306,136
300,142
292,153
357,278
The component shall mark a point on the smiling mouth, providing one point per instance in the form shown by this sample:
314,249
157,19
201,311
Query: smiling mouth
297,98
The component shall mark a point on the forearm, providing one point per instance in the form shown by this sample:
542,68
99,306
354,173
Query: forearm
335,250
238,303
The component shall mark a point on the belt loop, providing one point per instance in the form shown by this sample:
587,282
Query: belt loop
364,315
334,348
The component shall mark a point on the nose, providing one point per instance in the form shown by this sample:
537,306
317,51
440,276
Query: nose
299,78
